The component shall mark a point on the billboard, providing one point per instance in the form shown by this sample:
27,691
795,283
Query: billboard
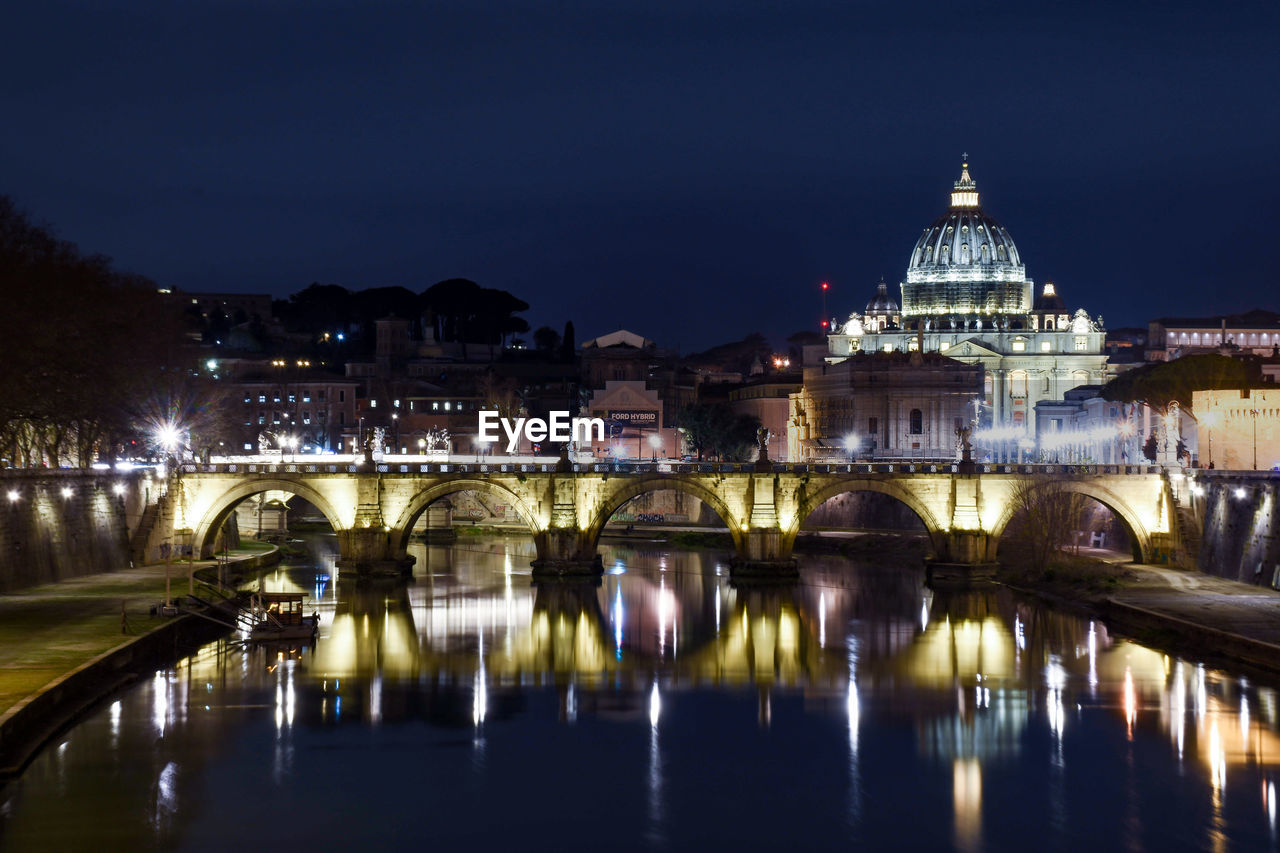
633,417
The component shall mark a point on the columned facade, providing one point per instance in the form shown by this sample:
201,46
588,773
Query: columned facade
966,296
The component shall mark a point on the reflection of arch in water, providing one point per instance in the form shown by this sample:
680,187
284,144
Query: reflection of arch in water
1139,535
404,525
220,509
656,484
809,503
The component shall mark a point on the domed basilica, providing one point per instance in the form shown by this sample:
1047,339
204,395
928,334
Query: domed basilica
967,297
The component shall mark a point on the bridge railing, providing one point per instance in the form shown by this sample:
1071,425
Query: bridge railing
650,468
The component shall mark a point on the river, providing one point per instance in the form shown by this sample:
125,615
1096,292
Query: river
664,708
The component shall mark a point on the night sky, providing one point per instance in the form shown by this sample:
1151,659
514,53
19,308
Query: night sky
689,171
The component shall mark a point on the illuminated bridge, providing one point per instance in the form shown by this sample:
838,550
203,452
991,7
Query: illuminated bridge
373,507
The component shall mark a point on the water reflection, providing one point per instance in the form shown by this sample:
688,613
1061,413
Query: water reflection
937,696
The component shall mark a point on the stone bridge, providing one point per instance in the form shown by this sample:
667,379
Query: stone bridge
373,507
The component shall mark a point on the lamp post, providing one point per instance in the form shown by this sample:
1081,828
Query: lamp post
395,428
851,445
655,441
422,447
1254,414
1210,421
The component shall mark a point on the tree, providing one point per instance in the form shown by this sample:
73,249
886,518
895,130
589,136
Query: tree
715,429
798,341
1047,512
546,340
83,344
568,346
1161,384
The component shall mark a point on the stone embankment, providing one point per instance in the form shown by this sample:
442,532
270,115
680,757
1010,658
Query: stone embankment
66,646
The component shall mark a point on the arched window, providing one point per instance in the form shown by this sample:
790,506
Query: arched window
964,253
1001,253
944,255
917,422
986,253
1018,383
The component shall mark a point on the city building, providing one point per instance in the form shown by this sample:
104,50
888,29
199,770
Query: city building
1239,430
767,398
967,296
634,422
883,405
1256,332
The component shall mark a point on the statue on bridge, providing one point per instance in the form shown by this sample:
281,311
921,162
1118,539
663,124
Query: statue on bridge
965,434
762,441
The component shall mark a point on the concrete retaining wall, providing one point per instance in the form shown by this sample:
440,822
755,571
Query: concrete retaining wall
57,524
1240,540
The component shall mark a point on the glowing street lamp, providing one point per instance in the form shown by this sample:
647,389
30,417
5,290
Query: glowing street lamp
851,443
422,447
1210,420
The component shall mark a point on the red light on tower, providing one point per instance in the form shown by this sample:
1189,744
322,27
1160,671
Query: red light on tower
825,286
824,324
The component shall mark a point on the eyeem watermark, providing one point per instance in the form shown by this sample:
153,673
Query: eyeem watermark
558,427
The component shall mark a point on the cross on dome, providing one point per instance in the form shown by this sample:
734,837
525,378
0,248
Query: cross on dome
965,193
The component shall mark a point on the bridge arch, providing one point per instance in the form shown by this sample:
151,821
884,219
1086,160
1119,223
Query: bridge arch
403,527
222,506
618,499
1139,534
811,502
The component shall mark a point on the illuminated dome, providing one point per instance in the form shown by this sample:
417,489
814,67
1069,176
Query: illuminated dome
882,302
965,262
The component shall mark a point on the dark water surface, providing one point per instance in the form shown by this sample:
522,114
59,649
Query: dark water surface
663,708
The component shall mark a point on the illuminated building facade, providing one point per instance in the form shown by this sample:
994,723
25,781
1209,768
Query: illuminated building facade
967,296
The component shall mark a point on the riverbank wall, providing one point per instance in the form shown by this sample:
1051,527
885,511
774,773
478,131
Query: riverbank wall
63,523
1239,517
29,724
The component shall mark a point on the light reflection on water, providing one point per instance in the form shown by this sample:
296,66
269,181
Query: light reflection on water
658,707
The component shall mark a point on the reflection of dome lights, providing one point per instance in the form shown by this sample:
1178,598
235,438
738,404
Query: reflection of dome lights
655,705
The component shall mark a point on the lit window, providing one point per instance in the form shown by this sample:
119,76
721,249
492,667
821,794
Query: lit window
373,404
248,446
1018,383
944,346
1019,345
306,398
446,407
396,404
246,398
1082,343
888,347
275,399
293,398
435,407
262,398
917,422
1045,346
262,419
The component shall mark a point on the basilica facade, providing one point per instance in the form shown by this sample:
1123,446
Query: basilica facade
967,296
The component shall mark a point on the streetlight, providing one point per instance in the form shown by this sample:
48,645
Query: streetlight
1254,413
422,447
851,445
655,441
395,428
1210,420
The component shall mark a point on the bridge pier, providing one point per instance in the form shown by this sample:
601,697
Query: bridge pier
962,557
368,551
565,553
764,551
